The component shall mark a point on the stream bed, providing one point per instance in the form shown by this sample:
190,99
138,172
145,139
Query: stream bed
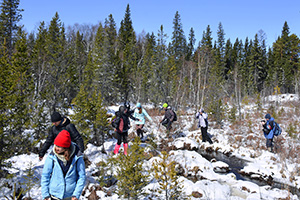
236,164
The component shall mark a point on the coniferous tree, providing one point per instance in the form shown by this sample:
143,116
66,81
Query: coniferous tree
90,115
236,58
246,81
22,92
161,68
110,40
74,72
57,63
131,176
190,46
6,104
146,71
40,75
9,17
165,174
127,55
284,50
205,63
176,60
220,55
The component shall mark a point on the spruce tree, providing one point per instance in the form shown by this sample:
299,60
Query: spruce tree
219,67
190,46
146,69
9,18
22,92
204,55
40,78
161,69
112,60
57,63
176,58
6,104
127,55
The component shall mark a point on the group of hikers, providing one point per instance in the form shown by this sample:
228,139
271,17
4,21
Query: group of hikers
63,175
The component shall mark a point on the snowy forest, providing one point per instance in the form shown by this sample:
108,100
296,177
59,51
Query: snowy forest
90,67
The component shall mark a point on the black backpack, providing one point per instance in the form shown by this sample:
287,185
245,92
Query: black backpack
175,116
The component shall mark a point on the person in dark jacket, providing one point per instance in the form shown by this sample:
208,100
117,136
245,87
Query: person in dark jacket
122,125
61,123
268,129
168,118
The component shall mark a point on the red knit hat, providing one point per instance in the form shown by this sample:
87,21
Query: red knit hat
63,139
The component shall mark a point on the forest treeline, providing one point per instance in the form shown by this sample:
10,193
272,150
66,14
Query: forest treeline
92,66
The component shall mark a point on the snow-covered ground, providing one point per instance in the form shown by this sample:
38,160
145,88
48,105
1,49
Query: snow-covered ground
241,143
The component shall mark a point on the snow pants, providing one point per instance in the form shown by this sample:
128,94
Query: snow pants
205,136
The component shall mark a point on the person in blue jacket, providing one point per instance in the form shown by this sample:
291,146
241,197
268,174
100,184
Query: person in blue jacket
268,129
63,174
140,113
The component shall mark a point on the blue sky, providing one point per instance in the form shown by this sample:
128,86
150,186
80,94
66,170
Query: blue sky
240,18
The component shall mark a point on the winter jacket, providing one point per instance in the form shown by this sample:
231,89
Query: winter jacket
202,119
126,123
169,115
271,127
55,130
141,116
54,182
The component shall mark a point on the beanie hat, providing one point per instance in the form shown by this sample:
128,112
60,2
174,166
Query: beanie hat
55,117
268,116
122,109
63,139
165,105
138,105
202,110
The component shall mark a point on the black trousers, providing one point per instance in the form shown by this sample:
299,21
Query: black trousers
205,136
122,137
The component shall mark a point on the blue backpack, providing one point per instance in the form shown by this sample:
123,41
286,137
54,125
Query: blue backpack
277,130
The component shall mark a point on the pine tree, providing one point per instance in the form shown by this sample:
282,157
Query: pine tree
165,174
9,17
131,175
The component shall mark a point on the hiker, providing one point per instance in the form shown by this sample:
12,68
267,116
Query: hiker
268,129
61,123
121,125
140,113
203,125
168,118
63,175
